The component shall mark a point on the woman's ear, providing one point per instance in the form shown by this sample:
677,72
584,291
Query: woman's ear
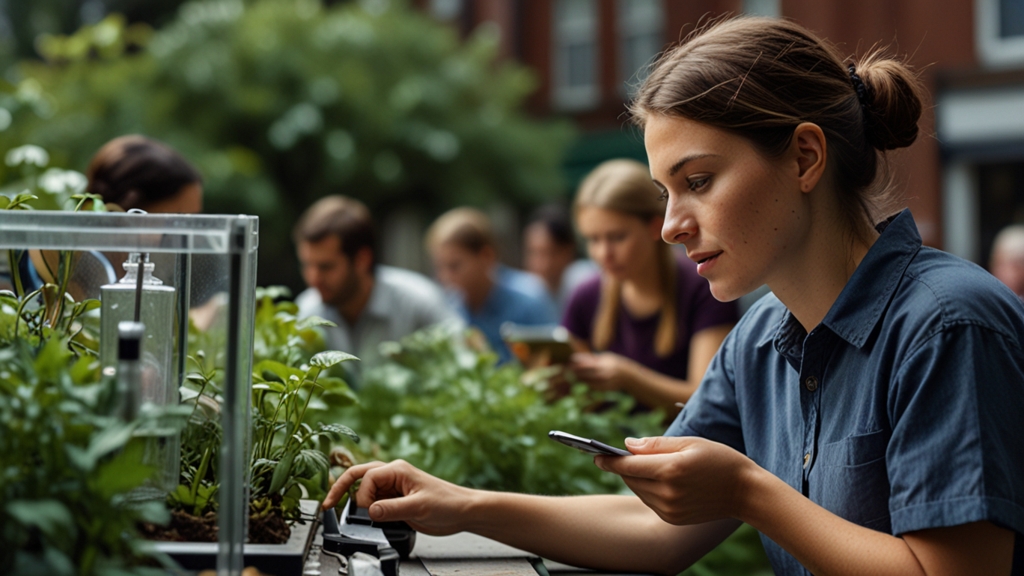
811,150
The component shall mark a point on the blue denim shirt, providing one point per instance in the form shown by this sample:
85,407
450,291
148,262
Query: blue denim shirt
902,410
505,303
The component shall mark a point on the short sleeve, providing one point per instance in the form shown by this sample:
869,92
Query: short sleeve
712,411
957,411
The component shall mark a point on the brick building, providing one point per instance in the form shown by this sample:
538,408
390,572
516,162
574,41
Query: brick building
964,178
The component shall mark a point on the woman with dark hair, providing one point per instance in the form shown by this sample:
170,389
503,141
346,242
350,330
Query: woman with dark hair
137,172
865,417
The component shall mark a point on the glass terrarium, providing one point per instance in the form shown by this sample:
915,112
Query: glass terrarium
164,272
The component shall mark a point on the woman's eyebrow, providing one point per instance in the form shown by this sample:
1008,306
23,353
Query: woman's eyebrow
682,162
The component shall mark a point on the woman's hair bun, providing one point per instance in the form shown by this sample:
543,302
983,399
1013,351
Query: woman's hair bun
893,104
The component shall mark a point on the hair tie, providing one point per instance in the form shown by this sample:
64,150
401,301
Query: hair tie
858,86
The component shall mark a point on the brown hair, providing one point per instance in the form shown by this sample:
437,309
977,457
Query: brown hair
625,186
346,218
761,77
134,171
466,227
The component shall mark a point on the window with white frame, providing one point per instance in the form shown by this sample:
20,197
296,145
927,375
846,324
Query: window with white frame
575,79
1000,32
640,26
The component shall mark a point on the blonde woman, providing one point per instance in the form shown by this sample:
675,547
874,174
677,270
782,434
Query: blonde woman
649,323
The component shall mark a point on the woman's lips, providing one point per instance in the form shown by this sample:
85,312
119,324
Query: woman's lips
706,262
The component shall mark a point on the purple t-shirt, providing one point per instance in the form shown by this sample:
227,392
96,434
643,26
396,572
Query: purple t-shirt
634,337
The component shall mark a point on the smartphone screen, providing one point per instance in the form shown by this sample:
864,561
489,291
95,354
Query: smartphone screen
586,444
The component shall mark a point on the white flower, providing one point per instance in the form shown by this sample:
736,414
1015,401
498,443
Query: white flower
28,154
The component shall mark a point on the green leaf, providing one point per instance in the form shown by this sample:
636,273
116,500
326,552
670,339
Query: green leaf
281,473
312,322
123,472
51,516
154,512
271,386
337,431
114,437
275,371
329,358
58,563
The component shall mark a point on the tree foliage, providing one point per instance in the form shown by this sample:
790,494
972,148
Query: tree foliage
280,102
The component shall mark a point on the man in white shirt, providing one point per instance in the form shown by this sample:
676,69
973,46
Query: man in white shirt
369,302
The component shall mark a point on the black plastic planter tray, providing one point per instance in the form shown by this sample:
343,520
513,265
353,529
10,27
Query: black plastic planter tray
272,559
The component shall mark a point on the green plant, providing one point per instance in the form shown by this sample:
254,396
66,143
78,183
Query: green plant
294,99
451,411
289,447
70,461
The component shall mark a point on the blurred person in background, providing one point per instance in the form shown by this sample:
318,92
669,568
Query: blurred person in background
128,172
550,252
648,322
368,302
1007,258
138,172
465,257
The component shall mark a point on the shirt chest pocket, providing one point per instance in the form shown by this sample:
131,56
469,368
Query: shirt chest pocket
851,480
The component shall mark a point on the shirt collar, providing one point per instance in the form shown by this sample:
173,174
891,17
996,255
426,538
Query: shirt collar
860,305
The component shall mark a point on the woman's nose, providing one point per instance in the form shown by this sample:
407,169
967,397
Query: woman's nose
680,224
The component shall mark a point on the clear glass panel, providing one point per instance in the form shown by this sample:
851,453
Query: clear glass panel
195,268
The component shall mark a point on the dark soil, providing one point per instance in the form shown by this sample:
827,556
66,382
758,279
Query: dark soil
269,528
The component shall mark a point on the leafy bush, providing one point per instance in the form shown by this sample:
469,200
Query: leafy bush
289,445
69,464
70,461
280,102
451,411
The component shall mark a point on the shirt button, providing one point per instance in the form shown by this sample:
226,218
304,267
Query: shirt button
811,383
807,459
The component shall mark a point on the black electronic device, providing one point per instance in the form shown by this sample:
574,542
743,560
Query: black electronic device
356,532
586,444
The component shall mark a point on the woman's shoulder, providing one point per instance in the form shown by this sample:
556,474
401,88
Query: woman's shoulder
952,291
587,292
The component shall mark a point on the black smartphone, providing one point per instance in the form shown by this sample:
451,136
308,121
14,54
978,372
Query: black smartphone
586,444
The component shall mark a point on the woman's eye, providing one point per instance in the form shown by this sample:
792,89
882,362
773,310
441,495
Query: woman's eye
699,183
663,196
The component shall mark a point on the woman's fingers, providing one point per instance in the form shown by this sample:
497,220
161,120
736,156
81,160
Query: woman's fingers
684,480
346,480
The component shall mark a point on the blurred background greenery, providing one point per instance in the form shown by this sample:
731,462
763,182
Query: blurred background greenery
279,102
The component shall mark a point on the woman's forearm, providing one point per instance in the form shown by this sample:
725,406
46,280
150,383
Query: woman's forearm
607,532
827,544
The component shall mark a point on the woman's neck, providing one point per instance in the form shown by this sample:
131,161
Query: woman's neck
815,277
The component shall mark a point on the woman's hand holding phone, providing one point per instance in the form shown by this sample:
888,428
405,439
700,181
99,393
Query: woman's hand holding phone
686,479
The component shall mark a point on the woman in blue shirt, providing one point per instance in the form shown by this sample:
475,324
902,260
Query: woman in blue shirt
866,417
